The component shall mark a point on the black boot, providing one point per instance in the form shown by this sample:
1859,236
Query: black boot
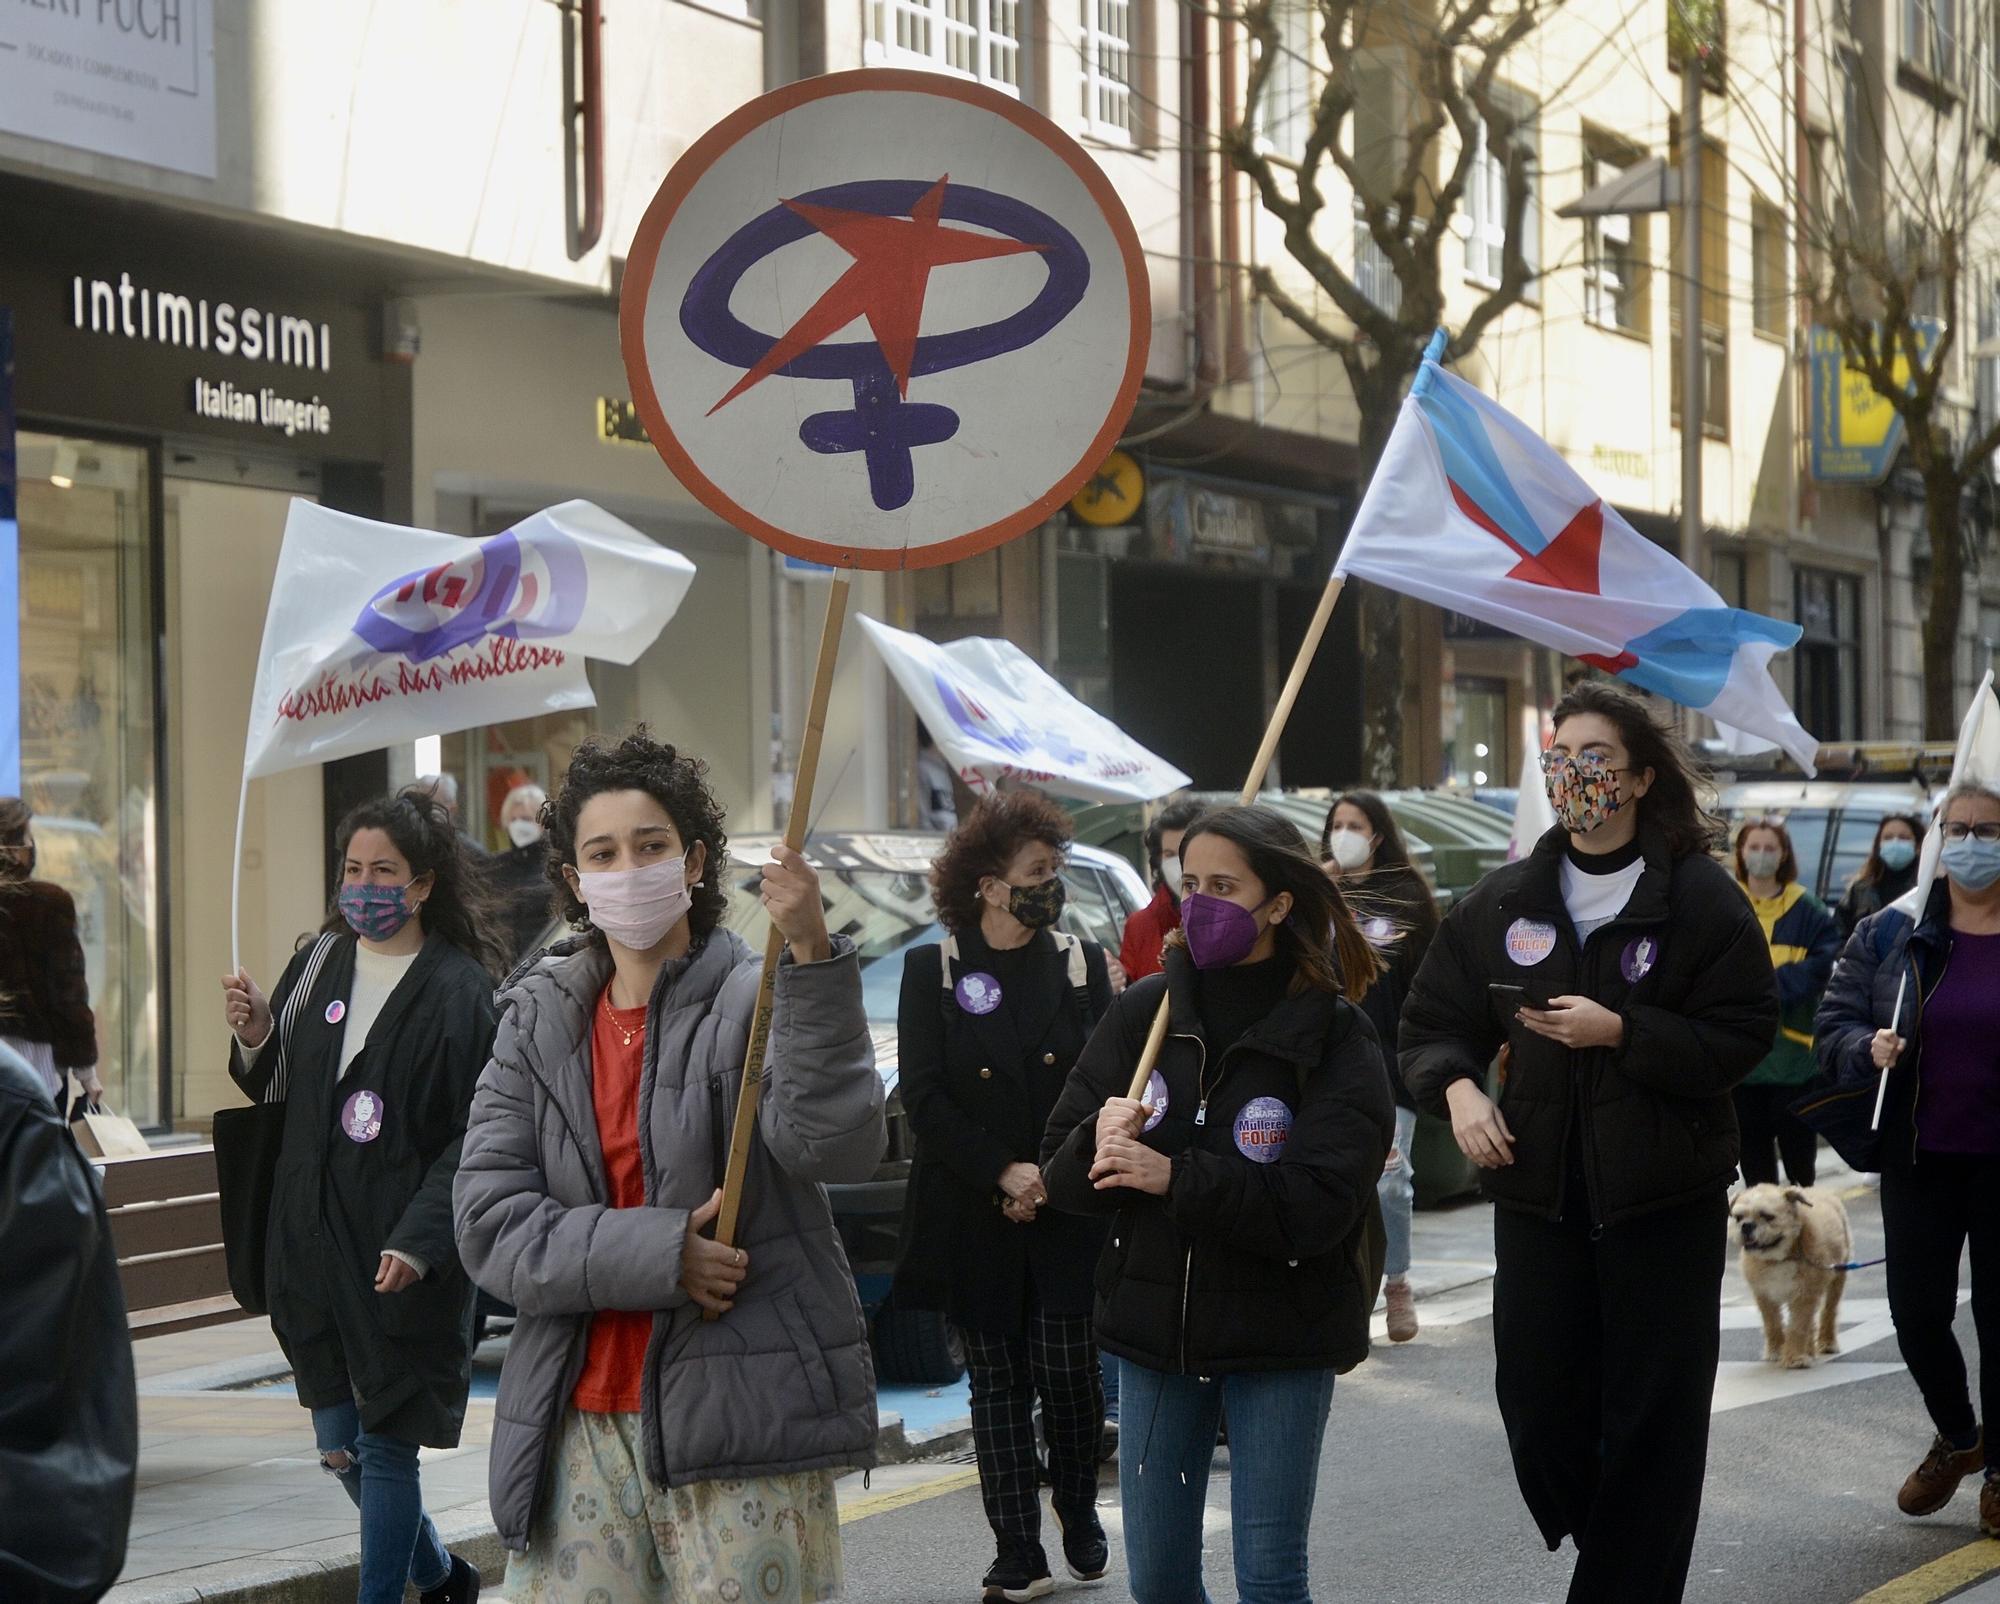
1085,1548
460,1587
1019,1573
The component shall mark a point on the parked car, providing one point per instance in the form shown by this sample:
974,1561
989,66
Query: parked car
877,893
1832,822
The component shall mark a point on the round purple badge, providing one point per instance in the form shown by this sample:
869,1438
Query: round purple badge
1262,1130
978,993
361,1117
1379,931
1529,941
336,1011
1155,1101
1638,958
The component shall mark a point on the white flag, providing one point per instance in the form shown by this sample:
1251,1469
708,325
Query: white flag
1533,817
1976,759
997,715
378,634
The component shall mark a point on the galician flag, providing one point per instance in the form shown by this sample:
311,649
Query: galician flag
1470,509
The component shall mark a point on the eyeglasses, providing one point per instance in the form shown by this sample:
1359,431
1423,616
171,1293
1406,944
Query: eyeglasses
1987,830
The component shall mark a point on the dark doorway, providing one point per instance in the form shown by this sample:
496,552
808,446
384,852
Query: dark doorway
1187,667
1322,741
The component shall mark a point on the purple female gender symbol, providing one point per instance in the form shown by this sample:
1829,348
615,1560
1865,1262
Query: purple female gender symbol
883,424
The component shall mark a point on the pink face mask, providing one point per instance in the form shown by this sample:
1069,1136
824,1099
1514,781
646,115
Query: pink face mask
637,907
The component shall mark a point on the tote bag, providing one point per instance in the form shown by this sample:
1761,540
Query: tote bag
247,1141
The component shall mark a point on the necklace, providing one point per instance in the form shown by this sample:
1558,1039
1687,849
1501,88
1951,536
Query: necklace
631,1035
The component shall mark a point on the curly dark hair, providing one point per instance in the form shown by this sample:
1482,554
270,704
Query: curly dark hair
677,782
984,844
460,906
1673,802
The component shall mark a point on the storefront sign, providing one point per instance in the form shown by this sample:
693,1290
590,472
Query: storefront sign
10,569
1856,430
128,78
619,423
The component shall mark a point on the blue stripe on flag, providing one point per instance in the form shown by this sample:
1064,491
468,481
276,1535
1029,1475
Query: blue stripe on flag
1687,659
1471,463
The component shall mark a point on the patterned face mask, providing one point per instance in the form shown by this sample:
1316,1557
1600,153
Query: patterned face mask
1583,789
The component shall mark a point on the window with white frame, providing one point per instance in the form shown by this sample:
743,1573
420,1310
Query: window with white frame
1614,248
1286,109
1486,199
1106,48
1930,37
976,39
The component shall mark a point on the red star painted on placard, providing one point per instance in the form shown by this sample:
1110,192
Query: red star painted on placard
1569,562
893,259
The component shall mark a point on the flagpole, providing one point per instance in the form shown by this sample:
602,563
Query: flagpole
748,1093
1259,767
1896,1028
236,881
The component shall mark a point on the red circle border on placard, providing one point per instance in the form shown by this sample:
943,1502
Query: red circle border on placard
643,259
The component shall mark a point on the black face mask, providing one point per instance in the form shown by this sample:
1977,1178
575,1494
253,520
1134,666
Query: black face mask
1040,906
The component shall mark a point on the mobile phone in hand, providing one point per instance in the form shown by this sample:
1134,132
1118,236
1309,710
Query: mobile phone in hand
1511,997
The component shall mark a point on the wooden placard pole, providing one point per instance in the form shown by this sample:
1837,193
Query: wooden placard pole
1273,733
774,944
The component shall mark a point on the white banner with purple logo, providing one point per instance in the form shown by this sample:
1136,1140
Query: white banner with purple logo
996,715
379,634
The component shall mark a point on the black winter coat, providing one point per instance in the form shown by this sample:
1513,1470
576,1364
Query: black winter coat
404,1357
979,1090
1400,920
1860,999
1864,897
69,1417
44,994
1685,964
1245,1264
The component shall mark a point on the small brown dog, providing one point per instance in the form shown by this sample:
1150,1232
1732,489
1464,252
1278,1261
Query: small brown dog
1793,1237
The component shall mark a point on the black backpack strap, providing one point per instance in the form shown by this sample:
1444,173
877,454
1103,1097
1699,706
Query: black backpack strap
274,1091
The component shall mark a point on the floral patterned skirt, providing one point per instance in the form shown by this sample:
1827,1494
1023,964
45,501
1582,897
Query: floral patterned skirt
607,1535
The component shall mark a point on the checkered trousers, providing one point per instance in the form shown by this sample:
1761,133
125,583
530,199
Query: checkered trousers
1058,1360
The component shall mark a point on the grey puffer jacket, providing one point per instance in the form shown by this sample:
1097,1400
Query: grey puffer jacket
784,1381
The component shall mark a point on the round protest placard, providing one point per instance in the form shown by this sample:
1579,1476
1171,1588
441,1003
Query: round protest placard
885,319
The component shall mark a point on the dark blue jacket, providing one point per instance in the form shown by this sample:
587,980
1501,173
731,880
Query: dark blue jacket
1860,999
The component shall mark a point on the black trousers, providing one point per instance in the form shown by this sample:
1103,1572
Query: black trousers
1930,1210
1771,1132
1056,1359
1606,1347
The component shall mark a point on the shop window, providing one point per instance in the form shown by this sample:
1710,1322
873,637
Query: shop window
89,650
976,39
1476,722
1106,46
1828,658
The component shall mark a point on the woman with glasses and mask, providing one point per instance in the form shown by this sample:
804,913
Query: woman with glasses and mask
1889,873
990,1023
1940,1129
366,1292
1245,1244
1804,943
672,1410
1625,972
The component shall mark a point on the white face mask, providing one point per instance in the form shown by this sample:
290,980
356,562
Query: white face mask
1351,848
524,832
637,907
1170,873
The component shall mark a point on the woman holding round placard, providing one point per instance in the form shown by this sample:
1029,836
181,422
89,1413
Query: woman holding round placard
1244,1244
378,1032
1363,849
642,1451
990,1023
1624,970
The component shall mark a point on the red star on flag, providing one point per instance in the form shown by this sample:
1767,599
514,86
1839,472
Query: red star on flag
1569,562
893,260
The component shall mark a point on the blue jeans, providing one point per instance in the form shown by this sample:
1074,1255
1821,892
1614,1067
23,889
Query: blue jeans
1110,1366
1277,1422
398,1541
1397,1192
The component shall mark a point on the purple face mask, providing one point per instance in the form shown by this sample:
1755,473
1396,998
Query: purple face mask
1220,933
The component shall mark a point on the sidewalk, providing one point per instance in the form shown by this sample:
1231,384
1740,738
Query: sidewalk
233,1505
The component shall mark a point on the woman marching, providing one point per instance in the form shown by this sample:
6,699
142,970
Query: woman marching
990,1024
1242,1262
1804,943
1622,966
641,1450
1889,873
1362,848
391,1022
1940,1130
44,994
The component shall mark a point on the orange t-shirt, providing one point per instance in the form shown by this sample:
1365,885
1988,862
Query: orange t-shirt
614,1368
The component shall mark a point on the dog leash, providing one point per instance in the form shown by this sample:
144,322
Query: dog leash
1857,1264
